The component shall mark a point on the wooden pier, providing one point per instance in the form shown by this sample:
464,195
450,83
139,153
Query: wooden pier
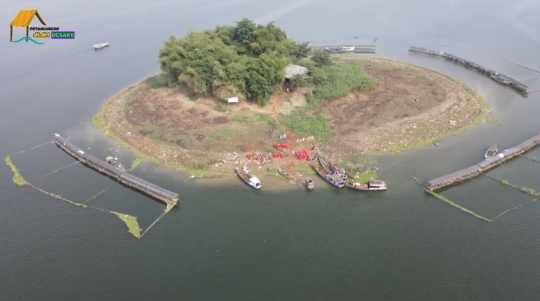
169,197
482,166
496,76
345,48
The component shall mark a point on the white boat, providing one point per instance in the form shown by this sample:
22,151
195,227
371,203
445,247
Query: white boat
371,185
101,45
249,179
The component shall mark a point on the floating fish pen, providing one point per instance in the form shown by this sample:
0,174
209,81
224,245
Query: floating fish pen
496,76
483,166
170,198
346,48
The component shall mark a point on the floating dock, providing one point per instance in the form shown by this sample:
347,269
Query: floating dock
169,197
345,48
496,76
482,166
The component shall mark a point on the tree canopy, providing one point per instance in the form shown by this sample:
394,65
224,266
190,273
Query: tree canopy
245,60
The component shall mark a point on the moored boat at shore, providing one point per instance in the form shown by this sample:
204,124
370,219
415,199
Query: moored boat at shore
325,164
248,179
285,174
492,151
370,185
335,179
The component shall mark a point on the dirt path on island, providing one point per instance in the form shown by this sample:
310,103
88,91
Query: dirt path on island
291,139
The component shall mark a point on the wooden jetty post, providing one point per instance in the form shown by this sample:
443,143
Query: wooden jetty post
496,76
168,197
483,166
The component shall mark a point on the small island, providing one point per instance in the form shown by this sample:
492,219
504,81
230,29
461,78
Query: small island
227,96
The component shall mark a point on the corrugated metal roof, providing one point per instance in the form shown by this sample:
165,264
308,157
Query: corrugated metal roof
24,18
292,70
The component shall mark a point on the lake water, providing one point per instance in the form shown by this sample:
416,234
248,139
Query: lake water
229,242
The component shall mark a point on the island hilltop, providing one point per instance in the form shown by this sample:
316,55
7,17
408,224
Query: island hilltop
345,107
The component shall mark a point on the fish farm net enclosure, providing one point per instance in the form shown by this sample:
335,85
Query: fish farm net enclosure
63,178
500,190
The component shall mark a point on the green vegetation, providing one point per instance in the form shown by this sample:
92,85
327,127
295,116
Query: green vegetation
303,123
328,80
131,222
337,80
245,60
523,189
17,177
64,199
360,168
138,158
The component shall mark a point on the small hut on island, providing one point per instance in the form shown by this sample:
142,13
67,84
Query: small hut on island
290,72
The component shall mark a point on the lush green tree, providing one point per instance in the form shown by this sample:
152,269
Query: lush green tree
298,81
301,50
245,60
322,58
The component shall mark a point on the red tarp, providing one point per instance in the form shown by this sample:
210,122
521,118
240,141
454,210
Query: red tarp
277,155
281,145
302,154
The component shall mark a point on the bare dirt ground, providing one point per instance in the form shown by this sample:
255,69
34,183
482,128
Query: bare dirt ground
410,107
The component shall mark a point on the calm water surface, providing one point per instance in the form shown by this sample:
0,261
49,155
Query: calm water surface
228,242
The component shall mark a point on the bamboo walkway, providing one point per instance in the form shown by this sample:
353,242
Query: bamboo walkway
482,166
496,76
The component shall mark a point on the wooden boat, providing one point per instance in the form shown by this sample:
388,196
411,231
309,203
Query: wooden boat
309,184
492,151
100,45
285,174
371,185
115,163
334,179
250,180
325,164
503,79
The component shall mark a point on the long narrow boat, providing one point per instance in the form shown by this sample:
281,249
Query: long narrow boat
501,78
325,164
334,179
492,151
248,179
371,185
285,174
